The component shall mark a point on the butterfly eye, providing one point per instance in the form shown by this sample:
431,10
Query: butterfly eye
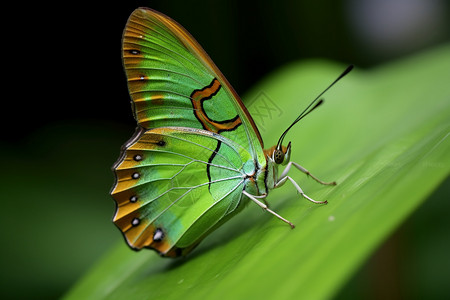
278,156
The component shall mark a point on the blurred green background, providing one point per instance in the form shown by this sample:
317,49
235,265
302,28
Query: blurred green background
70,114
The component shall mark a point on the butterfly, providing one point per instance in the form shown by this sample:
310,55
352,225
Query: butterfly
196,157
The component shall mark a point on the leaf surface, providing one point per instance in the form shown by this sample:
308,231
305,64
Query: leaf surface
382,135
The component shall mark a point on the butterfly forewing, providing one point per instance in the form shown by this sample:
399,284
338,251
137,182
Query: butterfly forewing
173,82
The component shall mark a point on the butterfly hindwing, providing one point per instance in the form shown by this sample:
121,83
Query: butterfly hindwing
169,178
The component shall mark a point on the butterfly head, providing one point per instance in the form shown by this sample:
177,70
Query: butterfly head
281,154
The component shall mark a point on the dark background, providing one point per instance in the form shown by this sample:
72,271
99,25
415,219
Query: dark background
65,98
64,59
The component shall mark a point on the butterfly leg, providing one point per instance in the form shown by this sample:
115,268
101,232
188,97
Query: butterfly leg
263,197
264,206
285,178
290,164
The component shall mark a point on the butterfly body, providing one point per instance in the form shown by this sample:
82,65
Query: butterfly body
197,156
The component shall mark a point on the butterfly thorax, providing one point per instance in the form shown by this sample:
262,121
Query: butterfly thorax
269,175
271,172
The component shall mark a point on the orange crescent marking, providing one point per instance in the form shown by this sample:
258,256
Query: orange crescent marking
197,98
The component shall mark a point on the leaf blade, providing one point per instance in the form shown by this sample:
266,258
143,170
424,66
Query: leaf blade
377,136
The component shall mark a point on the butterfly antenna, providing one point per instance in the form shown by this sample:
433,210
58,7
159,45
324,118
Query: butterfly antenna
313,105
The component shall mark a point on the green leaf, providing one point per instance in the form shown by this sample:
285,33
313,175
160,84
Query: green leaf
382,135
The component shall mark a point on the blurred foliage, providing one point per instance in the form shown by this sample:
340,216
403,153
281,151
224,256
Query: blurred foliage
413,262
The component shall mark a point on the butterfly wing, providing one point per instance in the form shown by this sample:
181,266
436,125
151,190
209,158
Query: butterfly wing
183,172
172,80
173,186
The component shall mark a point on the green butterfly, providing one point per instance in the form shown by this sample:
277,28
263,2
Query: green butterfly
196,157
